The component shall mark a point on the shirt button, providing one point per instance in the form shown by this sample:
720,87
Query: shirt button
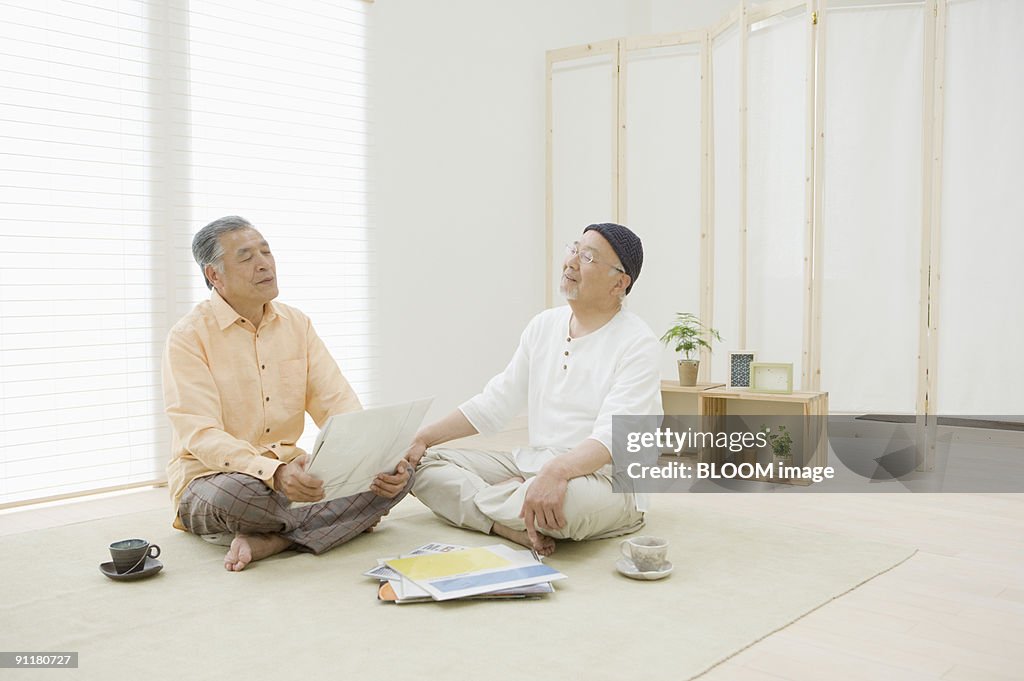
259,472
273,446
225,464
565,366
568,340
268,430
268,399
566,353
263,366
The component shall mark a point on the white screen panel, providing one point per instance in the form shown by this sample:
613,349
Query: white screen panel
980,325
663,184
725,65
872,209
583,151
776,168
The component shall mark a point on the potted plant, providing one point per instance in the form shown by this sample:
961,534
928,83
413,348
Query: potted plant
688,334
781,443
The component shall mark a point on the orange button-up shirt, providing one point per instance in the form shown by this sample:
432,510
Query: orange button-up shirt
237,395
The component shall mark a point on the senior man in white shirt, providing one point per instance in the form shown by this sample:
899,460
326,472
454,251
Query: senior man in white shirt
576,366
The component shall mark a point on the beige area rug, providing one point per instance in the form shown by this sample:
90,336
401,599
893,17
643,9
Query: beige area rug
304,617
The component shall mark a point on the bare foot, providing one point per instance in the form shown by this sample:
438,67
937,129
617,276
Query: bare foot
545,545
246,548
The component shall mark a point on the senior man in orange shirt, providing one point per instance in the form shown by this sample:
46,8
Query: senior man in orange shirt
239,373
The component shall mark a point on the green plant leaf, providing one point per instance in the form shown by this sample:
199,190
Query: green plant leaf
688,334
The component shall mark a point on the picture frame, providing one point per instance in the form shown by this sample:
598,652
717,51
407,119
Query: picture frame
771,377
739,368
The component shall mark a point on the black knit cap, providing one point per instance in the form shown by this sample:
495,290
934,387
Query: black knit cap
626,245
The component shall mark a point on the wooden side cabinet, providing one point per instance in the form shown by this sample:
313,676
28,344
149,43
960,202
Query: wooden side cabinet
714,404
678,400
682,400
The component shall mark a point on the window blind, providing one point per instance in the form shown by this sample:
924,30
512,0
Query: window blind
124,127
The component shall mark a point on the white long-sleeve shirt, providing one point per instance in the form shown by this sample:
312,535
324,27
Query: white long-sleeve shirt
571,387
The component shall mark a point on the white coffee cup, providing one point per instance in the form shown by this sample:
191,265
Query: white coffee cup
647,553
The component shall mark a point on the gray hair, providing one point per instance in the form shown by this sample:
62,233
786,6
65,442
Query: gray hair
206,248
622,296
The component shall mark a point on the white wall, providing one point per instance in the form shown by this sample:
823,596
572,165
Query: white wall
458,178
688,15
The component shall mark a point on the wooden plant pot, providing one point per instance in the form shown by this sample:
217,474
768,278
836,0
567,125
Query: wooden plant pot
688,372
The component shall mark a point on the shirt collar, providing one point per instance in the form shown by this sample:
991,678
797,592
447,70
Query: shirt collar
274,310
226,315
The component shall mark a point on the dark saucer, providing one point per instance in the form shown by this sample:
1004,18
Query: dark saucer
150,568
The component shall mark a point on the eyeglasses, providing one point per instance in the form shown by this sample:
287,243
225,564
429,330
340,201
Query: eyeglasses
587,256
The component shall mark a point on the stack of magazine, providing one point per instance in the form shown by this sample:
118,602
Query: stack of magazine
442,572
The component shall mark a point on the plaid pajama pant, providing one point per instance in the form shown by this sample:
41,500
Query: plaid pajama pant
241,504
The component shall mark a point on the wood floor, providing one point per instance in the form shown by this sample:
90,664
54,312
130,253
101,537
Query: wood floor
955,611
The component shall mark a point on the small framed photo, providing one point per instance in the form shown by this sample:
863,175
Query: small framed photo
768,377
739,368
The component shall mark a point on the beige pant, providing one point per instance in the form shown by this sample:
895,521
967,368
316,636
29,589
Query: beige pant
471,488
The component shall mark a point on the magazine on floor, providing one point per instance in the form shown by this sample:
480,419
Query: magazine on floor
397,588
473,571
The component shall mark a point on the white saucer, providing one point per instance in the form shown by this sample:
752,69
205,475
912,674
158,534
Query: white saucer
626,567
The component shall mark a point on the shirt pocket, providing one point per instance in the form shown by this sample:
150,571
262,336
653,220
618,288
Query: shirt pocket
293,384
